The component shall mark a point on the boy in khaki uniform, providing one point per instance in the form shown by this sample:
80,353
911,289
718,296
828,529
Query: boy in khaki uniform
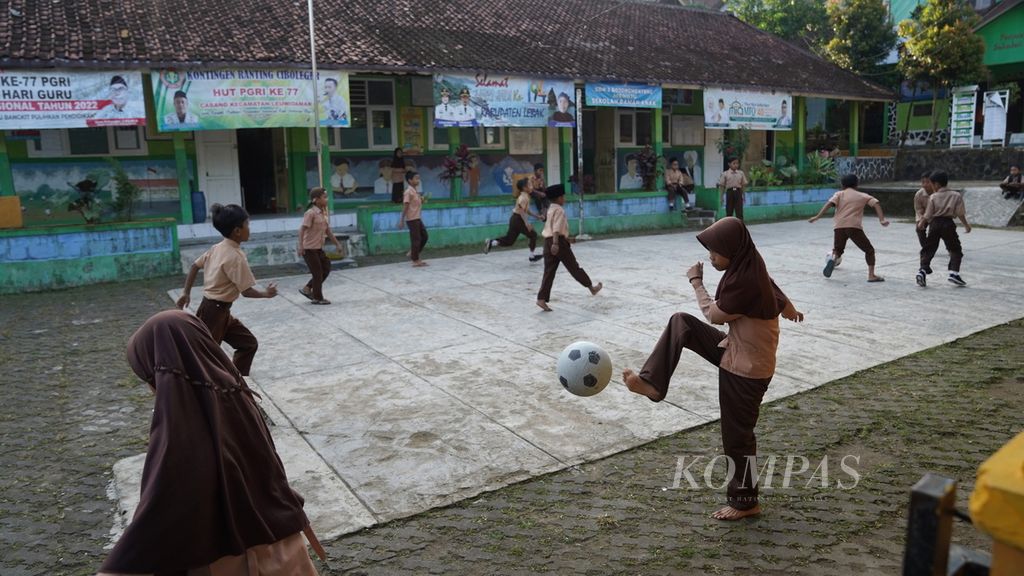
943,205
558,250
733,182
226,277
848,222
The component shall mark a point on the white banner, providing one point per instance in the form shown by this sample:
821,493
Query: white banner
34,99
995,115
732,109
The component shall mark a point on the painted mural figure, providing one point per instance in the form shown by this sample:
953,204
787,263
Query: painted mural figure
445,111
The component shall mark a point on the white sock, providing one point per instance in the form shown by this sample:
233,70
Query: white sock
494,243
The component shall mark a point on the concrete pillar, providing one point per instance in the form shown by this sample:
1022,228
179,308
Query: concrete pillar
658,145
854,128
454,141
800,116
184,177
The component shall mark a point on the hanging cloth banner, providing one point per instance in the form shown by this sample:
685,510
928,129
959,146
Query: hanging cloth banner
35,99
484,100
733,109
620,95
188,100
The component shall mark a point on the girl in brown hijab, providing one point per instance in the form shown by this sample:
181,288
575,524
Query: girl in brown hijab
215,499
748,300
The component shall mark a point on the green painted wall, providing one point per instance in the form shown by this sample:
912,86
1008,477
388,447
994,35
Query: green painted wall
1004,38
22,275
923,122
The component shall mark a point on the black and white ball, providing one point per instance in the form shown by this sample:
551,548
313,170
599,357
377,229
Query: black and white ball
584,368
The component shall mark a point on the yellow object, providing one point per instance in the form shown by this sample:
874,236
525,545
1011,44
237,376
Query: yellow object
997,503
10,212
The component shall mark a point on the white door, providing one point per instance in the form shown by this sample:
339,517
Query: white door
217,152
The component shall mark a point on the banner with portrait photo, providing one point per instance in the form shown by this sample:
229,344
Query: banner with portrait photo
484,100
231,99
623,95
734,109
36,99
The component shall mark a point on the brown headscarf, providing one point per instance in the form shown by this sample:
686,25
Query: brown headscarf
746,288
213,484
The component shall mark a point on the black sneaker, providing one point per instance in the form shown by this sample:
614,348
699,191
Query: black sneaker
830,265
956,279
487,246
671,207
921,278
927,269
536,257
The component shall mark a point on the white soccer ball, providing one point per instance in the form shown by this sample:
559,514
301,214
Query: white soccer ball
584,368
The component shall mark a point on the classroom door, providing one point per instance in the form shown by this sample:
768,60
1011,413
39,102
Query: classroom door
217,152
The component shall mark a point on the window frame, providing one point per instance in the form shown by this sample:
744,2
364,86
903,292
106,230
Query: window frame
112,150
391,109
632,113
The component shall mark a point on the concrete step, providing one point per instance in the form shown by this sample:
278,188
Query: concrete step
987,207
274,249
699,219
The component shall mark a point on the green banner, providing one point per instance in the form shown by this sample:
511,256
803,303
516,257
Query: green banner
188,100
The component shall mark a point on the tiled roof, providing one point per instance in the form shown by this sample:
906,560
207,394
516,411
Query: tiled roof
578,39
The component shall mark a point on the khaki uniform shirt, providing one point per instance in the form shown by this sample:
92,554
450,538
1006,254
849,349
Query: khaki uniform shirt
733,179
522,205
677,177
226,272
920,204
944,203
751,343
850,205
556,222
313,229
414,202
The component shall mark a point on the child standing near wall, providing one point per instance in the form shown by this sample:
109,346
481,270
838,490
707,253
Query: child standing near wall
558,249
733,182
411,216
749,301
227,276
315,226
519,222
848,222
943,205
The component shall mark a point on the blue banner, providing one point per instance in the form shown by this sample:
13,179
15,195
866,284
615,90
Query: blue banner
486,100
623,95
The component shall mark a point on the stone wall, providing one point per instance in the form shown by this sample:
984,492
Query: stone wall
867,168
990,164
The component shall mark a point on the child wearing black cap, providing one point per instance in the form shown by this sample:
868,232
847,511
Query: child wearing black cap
558,249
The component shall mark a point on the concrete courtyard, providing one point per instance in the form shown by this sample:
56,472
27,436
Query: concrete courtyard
418,388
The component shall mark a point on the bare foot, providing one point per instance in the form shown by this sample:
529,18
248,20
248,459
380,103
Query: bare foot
543,305
419,263
596,288
729,513
638,385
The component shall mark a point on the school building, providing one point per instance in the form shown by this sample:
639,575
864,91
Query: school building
910,119
213,102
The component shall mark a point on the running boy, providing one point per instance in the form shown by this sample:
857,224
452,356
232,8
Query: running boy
411,213
921,204
943,205
749,301
519,223
315,226
733,183
848,222
557,249
226,275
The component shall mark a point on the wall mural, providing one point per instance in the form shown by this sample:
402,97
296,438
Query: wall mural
367,178
46,188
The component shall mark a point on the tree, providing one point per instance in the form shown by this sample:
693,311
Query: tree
863,34
942,48
802,21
